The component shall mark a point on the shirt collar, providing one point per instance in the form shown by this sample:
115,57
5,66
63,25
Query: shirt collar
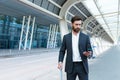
77,33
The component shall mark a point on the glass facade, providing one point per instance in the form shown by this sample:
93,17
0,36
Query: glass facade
47,5
10,31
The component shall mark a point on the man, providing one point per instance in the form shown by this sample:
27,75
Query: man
78,49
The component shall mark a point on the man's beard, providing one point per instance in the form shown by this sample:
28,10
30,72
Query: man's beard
76,29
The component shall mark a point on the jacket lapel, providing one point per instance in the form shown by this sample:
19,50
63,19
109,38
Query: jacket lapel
70,38
70,44
79,40
79,43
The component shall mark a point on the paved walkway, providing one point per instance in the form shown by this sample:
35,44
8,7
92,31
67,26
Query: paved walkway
106,66
44,67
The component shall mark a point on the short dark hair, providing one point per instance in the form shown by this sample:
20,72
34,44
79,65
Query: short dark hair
75,18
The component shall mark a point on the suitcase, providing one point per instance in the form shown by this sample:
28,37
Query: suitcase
61,75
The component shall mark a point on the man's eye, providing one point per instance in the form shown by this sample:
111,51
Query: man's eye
78,24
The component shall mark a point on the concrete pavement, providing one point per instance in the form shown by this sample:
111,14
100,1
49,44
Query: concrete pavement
44,67
106,66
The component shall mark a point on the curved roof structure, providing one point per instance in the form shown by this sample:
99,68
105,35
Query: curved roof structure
106,12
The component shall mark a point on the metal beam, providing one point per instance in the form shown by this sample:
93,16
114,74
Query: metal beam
51,1
31,37
65,8
26,37
70,13
85,23
27,2
50,31
103,18
21,36
111,23
95,28
107,14
79,11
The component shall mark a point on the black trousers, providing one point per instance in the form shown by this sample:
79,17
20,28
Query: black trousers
78,70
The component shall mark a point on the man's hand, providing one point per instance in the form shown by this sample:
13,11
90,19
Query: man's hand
60,65
87,53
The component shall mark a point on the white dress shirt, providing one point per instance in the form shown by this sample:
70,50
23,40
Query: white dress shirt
76,54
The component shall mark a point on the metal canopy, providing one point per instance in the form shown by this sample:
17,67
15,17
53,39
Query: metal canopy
90,24
18,9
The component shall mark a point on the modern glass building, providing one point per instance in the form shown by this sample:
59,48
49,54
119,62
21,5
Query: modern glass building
10,31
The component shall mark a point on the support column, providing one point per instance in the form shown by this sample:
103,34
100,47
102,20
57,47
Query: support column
27,32
95,28
118,42
55,36
63,28
85,24
21,36
26,38
52,37
49,36
33,24
101,45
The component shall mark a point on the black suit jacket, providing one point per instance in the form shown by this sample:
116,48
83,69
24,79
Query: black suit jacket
84,45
